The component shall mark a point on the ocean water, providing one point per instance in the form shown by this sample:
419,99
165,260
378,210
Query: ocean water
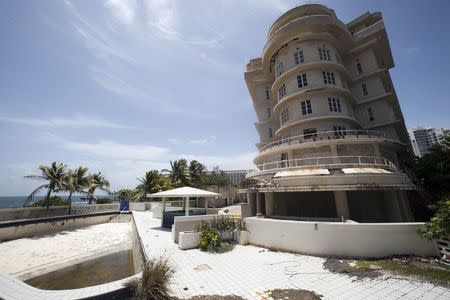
18,201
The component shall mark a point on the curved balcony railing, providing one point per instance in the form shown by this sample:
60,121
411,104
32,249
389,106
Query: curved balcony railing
327,162
327,135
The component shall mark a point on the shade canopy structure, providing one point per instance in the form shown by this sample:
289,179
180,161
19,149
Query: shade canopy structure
185,192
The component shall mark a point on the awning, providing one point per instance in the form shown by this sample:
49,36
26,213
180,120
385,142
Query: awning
364,170
185,191
302,172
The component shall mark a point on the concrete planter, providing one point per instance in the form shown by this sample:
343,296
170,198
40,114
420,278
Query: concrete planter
188,240
243,237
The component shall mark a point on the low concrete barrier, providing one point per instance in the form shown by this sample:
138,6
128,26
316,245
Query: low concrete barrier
139,256
7,214
138,206
339,239
11,230
189,223
189,240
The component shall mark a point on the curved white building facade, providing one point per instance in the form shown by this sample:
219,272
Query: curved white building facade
332,135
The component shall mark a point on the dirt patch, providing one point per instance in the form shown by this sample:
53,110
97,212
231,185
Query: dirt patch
408,267
214,297
343,267
292,294
286,294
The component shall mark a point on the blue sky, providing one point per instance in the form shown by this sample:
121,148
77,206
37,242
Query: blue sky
123,87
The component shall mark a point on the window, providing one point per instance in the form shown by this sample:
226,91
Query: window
364,89
309,133
298,57
269,112
339,130
302,80
281,92
267,93
280,69
358,66
306,107
370,114
334,104
324,54
328,78
270,132
284,116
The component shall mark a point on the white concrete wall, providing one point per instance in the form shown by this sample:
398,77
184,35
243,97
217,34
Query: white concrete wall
339,239
138,206
310,53
190,223
7,214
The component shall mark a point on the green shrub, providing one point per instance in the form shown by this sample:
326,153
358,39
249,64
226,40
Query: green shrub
439,225
209,238
54,201
155,280
220,228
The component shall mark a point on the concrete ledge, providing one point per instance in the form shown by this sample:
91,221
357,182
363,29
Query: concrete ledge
10,230
339,239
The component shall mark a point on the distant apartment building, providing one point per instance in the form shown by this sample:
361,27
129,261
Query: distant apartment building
423,139
332,133
234,176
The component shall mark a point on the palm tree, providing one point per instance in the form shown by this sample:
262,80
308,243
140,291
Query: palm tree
152,182
75,182
97,181
179,173
54,175
197,173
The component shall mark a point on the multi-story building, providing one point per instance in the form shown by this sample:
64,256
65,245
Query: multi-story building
333,142
234,176
423,139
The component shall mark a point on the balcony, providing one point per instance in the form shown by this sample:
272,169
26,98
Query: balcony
327,162
349,135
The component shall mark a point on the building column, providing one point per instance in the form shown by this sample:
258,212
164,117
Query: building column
392,206
187,206
340,199
259,204
251,198
405,208
290,157
334,153
270,203
376,150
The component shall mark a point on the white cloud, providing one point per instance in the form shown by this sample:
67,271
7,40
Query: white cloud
115,150
124,10
163,16
203,141
68,121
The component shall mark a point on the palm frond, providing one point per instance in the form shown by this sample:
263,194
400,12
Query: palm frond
37,190
39,177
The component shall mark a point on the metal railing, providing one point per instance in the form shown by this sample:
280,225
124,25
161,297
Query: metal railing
327,135
328,162
84,208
